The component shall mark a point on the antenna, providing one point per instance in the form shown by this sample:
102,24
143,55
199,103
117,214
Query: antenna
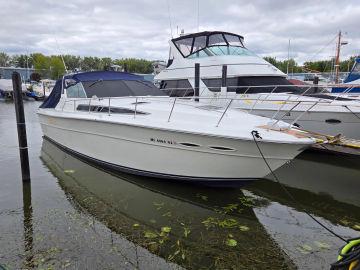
198,14
288,60
61,55
168,6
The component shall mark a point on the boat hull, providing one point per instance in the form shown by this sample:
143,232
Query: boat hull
329,123
166,154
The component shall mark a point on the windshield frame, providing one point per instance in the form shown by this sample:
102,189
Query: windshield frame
193,37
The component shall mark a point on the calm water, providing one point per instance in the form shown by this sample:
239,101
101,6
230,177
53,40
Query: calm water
76,216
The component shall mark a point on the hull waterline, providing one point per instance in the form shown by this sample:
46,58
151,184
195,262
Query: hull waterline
162,154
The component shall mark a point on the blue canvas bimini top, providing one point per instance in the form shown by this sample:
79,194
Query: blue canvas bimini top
104,84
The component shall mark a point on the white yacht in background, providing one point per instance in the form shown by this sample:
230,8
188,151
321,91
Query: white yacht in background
124,122
263,89
43,87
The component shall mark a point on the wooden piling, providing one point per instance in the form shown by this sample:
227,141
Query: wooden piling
21,127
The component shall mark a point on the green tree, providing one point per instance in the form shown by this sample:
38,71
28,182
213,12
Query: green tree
5,59
72,62
57,67
283,65
135,65
41,64
22,61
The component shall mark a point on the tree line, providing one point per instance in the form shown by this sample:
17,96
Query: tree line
311,66
53,66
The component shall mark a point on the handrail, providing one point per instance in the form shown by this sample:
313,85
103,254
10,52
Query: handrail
136,101
227,107
109,108
301,114
284,98
278,120
282,106
166,98
172,108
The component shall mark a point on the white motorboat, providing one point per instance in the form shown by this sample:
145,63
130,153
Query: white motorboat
124,122
262,88
6,88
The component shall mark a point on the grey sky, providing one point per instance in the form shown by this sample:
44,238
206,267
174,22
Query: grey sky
140,28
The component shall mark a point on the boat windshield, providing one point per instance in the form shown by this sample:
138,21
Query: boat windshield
354,74
211,44
120,88
356,69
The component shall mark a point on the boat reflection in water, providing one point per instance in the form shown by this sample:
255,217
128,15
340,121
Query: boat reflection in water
324,175
194,227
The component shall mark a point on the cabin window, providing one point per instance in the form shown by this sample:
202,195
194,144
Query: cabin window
185,45
76,91
210,45
233,40
177,88
199,43
120,88
356,69
105,109
240,84
216,40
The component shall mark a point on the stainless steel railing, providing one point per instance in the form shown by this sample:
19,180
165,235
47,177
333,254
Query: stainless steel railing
245,96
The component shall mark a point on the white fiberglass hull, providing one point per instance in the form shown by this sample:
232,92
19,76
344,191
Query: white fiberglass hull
329,123
158,153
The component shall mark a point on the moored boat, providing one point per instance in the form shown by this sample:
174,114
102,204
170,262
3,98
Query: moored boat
263,89
124,122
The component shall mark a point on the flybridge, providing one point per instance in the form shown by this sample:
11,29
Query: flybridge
205,44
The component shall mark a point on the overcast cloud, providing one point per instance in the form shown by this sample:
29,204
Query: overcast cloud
141,28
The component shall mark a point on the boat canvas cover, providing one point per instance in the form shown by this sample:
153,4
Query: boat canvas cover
354,73
352,78
105,84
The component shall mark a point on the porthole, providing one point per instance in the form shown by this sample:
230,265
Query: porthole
188,144
221,148
333,121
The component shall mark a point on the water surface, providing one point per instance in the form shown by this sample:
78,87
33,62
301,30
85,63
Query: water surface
77,216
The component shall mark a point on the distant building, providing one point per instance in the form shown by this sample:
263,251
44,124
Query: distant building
25,73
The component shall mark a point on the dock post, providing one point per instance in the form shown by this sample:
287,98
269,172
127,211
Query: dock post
197,81
28,226
224,80
21,127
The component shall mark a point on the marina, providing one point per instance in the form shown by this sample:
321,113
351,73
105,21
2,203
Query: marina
122,219
179,135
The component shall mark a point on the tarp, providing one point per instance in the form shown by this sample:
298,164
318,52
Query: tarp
107,84
352,78
354,73
104,75
53,99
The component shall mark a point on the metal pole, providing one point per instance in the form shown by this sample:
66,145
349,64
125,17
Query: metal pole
316,82
337,59
21,127
224,76
172,108
197,81
288,60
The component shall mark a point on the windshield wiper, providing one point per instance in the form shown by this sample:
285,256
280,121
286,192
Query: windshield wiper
99,80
